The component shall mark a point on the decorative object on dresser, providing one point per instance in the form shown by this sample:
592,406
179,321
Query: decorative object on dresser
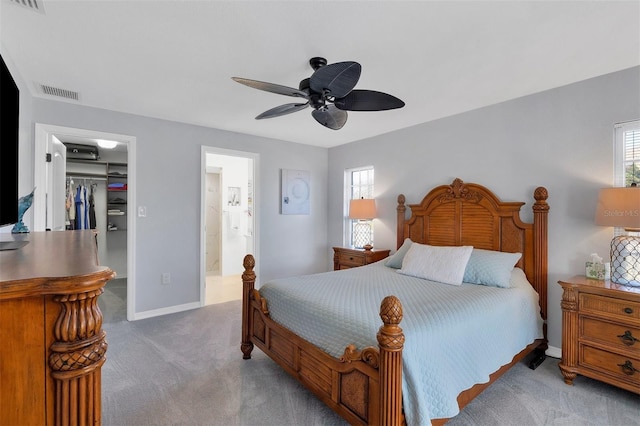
23,205
53,345
601,332
362,210
345,258
364,385
620,207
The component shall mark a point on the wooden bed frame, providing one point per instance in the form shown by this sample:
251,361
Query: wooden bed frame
365,386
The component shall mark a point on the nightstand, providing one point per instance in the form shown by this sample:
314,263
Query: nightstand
601,332
345,258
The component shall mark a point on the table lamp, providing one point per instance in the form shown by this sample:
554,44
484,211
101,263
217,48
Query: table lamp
620,207
362,209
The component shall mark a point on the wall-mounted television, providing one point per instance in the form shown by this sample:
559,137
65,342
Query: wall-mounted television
9,108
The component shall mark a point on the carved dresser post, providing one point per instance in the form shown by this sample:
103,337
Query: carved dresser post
248,284
53,346
76,357
391,341
569,306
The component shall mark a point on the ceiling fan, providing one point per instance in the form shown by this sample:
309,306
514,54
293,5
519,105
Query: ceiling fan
329,91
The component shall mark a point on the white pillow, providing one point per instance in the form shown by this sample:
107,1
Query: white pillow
436,263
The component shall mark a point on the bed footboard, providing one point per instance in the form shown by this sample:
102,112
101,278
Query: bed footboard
364,387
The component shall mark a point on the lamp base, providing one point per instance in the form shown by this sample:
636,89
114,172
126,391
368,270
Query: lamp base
362,234
625,260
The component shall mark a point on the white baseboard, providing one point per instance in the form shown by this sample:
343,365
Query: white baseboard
164,311
554,352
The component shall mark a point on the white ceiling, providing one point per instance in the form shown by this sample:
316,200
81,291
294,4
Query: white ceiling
174,59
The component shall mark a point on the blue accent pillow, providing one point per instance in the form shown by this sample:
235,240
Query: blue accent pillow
491,268
395,261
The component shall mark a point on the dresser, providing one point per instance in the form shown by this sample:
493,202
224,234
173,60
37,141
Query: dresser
345,258
52,343
601,332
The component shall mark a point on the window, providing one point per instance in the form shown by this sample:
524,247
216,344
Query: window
626,158
358,184
627,153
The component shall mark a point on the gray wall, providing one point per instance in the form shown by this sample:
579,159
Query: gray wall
561,139
168,184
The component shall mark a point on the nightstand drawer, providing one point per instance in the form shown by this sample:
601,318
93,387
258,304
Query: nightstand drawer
619,366
351,259
608,305
618,335
345,258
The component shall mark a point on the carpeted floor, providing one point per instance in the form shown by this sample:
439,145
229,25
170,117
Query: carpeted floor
187,369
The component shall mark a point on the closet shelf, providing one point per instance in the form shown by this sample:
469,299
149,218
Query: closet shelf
117,204
94,176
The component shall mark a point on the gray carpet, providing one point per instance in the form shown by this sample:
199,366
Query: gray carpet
187,369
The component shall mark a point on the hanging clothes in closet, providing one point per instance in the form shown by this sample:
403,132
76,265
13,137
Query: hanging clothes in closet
70,206
92,208
81,202
80,206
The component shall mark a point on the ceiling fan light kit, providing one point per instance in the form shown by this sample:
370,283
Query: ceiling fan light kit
329,91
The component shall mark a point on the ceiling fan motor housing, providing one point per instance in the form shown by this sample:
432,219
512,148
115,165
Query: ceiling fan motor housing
317,62
316,100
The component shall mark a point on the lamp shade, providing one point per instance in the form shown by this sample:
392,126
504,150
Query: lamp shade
363,208
619,207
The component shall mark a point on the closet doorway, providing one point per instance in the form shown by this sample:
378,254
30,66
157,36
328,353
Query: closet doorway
103,177
228,225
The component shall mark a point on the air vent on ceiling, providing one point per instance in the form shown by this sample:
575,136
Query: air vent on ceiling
35,5
56,91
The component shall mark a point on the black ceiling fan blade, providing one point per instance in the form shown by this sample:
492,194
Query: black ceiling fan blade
282,110
330,116
338,79
367,100
270,87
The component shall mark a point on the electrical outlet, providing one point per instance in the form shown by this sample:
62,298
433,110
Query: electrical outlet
165,278
142,211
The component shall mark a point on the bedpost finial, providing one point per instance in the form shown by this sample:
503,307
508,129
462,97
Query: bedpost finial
249,262
401,199
390,336
391,310
248,276
541,194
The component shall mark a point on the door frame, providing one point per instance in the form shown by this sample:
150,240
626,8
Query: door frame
43,134
204,150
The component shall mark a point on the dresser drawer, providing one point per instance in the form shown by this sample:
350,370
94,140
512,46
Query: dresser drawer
608,305
351,259
619,366
617,335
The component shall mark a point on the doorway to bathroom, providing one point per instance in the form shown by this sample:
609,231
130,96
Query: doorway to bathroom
228,225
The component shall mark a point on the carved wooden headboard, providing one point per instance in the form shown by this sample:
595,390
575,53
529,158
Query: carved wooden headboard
470,214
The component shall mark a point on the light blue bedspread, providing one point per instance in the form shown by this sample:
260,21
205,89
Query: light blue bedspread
455,336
